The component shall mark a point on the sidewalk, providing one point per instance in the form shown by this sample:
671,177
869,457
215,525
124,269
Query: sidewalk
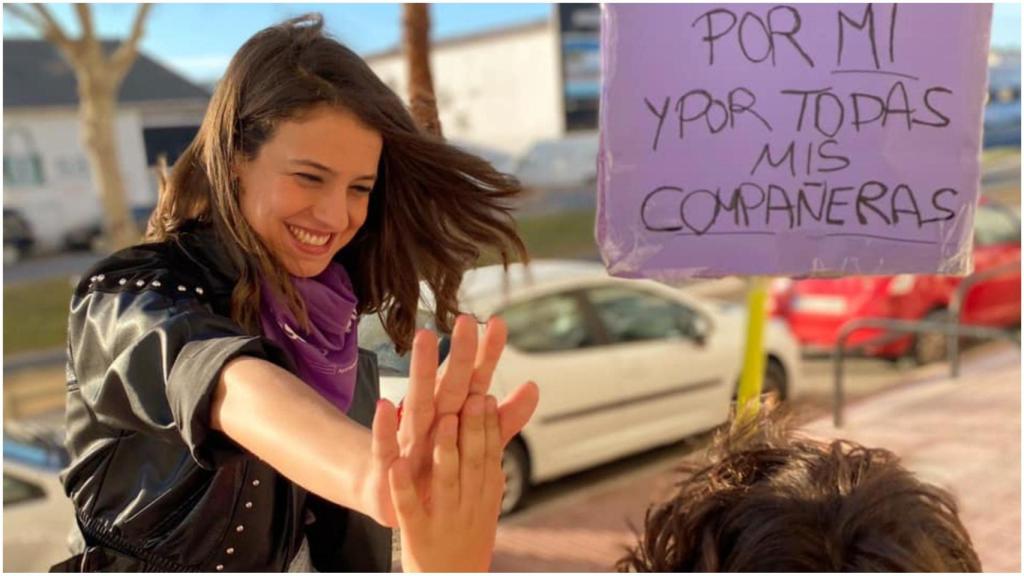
963,435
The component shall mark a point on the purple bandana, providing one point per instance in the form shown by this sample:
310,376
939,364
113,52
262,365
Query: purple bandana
326,357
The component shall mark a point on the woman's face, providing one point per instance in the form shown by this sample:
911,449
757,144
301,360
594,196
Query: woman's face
307,191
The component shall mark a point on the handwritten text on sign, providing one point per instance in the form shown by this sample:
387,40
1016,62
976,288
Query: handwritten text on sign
790,140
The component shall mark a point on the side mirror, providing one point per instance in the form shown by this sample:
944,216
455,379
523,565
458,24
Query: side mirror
700,330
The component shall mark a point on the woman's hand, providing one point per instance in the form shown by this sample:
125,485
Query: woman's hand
452,528
468,370
376,490
432,397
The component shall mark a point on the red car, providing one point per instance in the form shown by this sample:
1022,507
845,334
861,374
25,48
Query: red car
817,308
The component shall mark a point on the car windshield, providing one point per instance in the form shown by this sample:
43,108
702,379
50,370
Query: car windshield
560,162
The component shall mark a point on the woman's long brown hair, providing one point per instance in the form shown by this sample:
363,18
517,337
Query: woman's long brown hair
431,211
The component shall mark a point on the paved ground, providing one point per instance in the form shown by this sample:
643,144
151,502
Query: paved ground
964,435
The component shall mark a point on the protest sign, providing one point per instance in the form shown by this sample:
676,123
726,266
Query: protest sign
792,140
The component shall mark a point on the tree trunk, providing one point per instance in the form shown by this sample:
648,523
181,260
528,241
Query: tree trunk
98,110
416,42
99,80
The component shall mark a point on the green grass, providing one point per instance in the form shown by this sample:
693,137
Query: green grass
36,315
568,235
991,156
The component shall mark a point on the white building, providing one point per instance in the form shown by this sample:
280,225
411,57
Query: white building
498,89
46,175
508,88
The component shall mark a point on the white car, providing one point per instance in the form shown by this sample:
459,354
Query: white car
622,365
38,516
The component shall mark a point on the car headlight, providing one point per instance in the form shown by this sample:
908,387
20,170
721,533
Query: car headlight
901,285
781,284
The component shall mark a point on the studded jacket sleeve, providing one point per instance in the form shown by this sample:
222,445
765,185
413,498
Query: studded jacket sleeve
154,487
146,358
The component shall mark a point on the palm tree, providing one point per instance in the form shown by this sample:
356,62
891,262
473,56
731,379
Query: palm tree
416,44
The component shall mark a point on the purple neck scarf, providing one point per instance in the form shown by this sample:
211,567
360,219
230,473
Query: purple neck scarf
326,357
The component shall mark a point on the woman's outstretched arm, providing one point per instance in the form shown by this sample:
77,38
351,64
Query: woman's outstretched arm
277,417
284,422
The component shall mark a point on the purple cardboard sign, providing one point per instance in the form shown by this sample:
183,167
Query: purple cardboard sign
796,140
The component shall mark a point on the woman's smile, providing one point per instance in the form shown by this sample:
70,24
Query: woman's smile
309,237
309,242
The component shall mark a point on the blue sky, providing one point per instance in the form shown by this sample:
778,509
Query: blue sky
199,39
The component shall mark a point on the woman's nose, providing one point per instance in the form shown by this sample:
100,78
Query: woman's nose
332,207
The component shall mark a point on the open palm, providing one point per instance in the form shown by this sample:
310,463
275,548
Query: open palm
432,395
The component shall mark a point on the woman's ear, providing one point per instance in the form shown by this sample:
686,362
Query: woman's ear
235,175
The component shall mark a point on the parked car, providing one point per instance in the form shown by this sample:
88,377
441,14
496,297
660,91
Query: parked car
817,308
501,161
38,516
1002,106
18,237
560,174
565,162
622,365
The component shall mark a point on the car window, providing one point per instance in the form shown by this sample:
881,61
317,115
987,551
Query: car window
18,491
547,324
565,162
372,337
632,315
993,226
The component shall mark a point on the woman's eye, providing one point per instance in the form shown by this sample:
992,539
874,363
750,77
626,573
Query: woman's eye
309,177
362,189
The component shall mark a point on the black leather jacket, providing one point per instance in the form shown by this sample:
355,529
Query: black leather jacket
153,486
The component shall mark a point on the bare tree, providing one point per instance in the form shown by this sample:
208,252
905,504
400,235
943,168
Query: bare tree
99,77
416,44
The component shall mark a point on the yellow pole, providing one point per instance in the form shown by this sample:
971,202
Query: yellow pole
748,397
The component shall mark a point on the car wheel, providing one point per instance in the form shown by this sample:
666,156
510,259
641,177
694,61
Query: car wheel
931,347
515,463
774,387
11,254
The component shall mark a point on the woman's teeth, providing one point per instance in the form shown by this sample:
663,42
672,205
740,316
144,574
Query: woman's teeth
307,238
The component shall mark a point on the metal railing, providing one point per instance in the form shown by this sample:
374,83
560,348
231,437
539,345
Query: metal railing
956,308
952,329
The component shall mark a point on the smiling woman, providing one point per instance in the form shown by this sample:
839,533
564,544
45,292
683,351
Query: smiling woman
217,398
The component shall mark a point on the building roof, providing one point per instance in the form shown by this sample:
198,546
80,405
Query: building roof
471,38
36,74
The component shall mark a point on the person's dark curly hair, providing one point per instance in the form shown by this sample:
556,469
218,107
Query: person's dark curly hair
770,501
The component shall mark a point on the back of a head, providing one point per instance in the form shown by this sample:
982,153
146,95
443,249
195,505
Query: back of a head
774,502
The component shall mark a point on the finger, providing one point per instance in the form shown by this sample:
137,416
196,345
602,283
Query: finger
445,480
384,445
411,515
453,383
472,446
487,355
494,477
383,452
418,410
516,409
